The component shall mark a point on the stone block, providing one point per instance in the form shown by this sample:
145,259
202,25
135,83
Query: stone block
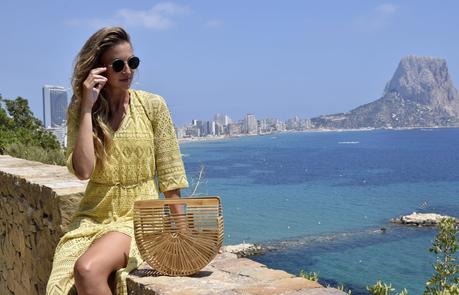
31,223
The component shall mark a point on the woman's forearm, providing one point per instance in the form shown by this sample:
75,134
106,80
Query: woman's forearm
83,153
178,211
175,194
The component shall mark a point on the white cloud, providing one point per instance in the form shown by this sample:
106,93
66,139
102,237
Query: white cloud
159,17
377,19
214,23
386,9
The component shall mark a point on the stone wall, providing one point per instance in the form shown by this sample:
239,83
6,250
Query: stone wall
36,204
229,275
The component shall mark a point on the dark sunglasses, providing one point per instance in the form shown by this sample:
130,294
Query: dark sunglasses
118,64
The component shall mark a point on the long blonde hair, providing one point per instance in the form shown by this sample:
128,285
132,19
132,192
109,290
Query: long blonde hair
88,58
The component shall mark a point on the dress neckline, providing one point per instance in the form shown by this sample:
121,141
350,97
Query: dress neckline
126,115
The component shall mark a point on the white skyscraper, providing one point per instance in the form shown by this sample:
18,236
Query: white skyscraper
55,103
250,124
222,119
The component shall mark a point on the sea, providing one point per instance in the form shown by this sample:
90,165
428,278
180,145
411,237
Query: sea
322,201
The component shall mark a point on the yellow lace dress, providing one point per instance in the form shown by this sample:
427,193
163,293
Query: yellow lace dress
144,154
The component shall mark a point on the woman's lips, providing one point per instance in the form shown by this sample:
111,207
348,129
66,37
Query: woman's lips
125,80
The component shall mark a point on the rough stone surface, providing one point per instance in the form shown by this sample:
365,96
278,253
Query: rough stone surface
36,204
244,249
421,219
228,275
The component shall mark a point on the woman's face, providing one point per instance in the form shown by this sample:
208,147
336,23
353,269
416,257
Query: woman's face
122,79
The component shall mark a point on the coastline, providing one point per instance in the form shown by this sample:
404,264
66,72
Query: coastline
319,130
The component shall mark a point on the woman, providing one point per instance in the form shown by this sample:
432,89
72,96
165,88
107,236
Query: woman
119,139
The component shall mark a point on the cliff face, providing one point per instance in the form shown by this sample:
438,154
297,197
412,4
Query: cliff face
420,94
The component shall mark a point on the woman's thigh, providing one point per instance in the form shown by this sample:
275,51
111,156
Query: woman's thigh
108,253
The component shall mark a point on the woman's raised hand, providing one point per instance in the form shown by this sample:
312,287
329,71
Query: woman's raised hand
92,87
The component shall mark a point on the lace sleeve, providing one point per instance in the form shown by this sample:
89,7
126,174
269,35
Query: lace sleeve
169,165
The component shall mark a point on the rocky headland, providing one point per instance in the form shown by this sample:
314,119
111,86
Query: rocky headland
420,94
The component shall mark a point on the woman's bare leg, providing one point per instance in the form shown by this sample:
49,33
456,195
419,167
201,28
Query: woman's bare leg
108,253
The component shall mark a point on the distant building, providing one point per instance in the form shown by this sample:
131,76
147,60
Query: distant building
294,124
250,124
219,129
55,103
213,128
264,127
223,120
192,131
181,132
61,133
308,124
235,128
280,126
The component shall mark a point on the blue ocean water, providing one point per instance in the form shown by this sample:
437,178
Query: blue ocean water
319,199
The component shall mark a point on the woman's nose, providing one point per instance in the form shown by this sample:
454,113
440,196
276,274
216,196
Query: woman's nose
127,69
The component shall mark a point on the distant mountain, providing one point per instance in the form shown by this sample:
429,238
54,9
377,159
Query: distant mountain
420,94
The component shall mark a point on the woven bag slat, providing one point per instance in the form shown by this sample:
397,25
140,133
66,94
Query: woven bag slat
179,244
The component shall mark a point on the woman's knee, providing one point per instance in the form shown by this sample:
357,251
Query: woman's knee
84,269
106,255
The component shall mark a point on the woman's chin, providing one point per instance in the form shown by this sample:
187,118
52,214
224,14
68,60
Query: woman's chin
121,86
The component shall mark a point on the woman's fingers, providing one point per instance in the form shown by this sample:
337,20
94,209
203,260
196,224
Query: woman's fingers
93,84
100,84
98,70
98,77
94,77
97,82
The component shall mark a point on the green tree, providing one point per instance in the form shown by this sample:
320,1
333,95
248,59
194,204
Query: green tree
21,114
22,135
446,278
381,288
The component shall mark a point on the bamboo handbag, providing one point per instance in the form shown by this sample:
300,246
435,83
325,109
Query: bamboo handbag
178,244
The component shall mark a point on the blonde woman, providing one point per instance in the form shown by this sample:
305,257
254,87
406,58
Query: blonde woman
124,142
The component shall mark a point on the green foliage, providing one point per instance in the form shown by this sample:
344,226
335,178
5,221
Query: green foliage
22,135
21,114
312,276
342,288
381,288
37,153
446,278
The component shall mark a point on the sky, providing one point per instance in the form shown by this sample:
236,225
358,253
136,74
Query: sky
270,58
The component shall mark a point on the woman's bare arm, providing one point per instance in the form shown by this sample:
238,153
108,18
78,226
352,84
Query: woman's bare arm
83,153
83,157
178,211
175,194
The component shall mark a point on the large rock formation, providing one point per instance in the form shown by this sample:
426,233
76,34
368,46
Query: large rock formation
420,94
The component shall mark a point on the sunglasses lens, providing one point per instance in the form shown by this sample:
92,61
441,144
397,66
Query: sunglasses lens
118,65
134,62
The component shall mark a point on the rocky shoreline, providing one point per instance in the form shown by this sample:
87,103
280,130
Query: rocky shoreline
421,219
243,250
